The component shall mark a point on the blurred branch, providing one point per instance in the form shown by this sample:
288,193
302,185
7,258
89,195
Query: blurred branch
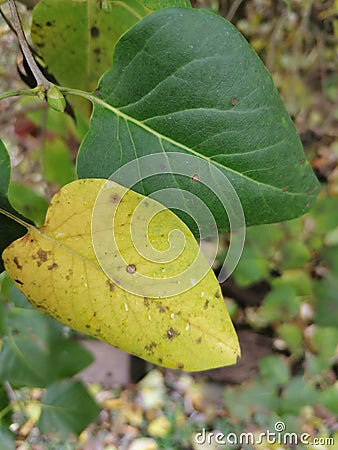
38,75
29,3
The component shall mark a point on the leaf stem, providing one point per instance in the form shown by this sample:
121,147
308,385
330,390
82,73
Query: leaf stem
15,218
41,80
32,92
126,7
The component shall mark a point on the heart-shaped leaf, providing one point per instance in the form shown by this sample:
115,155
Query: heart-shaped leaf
9,230
185,80
60,408
95,279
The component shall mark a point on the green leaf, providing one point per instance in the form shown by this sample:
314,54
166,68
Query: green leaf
329,398
4,403
242,402
280,303
298,393
161,4
77,38
28,202
327,301
34,353
185,80
294,254
292,335
325,341
7,438
67,408
274,369
251,267
57,162
9,230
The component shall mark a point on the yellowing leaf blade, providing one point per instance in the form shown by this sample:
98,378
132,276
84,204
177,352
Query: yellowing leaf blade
57,269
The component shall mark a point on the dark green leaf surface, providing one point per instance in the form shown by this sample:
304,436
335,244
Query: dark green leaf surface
30,333
7,438
161,4
28,202
185,80
67,408
9,230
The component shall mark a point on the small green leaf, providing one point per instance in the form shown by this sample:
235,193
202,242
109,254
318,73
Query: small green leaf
325,341
294,254
329,398
251,267
30,333
274,369
327,301
280,303
28,202
9,230
292,335
7,438
67,408
297,394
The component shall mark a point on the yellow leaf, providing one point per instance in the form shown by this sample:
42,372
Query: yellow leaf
64,271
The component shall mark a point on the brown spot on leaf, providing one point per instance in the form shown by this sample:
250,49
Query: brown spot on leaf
171,333
115,198
217,294
180,366
285,188
195,178
43,255
53,266
131,268
199,340
16,262
206,304
95,32
19,282
150,347
162,308
146,302
110,285
234,101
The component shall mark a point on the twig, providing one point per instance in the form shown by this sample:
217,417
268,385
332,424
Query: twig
232,11
38,75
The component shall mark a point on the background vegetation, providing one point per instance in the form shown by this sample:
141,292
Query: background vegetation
282,297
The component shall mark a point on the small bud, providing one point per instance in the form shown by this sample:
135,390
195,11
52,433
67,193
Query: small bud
106,5
55,99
